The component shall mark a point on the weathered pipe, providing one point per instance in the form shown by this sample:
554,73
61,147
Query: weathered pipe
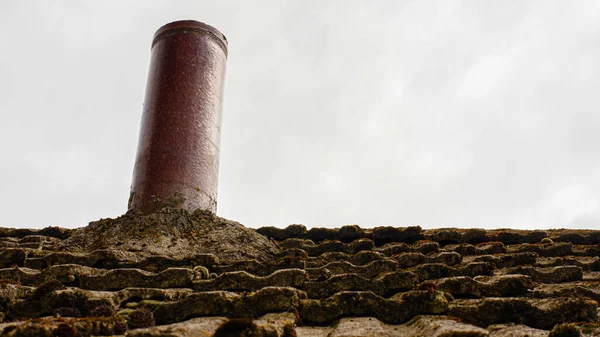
177,163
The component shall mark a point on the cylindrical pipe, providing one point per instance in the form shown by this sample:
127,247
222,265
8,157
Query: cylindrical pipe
177,162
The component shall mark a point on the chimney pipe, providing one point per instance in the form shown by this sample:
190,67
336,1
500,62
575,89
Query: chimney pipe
177,162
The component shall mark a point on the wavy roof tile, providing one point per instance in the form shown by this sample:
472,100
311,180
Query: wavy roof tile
347,281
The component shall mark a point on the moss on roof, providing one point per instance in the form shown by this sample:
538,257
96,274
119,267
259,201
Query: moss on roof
175,273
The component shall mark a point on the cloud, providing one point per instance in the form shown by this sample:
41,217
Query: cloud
376,113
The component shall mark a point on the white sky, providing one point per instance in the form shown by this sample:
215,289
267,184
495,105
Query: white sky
438,113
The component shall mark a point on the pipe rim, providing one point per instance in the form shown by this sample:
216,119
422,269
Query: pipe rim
190,26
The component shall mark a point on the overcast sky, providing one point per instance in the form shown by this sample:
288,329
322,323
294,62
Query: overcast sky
432,113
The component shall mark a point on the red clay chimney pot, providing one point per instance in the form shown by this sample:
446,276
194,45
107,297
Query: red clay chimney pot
177,162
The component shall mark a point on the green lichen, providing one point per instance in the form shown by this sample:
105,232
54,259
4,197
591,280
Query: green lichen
173,201
176,200
203,271
547,241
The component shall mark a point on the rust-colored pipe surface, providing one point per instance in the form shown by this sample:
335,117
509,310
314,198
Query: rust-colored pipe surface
177,163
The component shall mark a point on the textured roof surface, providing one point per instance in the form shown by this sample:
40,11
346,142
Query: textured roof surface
349,281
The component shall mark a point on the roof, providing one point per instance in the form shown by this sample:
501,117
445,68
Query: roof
350,281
